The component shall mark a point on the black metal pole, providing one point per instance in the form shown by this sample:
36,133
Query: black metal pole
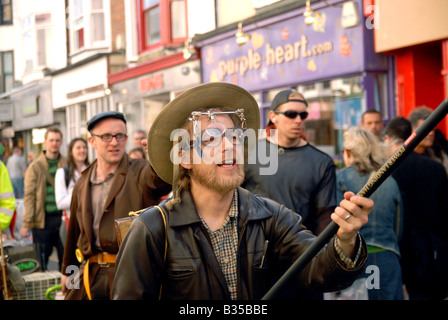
386,170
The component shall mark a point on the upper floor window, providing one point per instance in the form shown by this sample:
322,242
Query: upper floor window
37,33
151,20
43,34
6,71
5,12
97,18
161,23
78,25
87,24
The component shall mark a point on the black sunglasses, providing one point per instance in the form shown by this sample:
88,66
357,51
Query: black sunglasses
293,114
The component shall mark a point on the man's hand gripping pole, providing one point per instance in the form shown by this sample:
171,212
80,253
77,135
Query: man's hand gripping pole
385,171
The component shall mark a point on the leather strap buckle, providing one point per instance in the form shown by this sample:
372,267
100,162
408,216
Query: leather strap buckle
100,260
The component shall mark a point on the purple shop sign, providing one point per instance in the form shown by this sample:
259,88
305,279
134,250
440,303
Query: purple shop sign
287,52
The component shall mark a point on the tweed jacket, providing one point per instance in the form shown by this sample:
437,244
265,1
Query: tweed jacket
36,190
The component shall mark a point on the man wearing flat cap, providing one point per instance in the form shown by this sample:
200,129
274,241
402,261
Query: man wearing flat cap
213,239
111,187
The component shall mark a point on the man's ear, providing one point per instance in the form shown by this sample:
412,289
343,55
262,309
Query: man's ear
92,141
272,115
185,159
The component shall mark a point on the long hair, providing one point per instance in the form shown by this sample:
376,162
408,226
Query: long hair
368,152
71,161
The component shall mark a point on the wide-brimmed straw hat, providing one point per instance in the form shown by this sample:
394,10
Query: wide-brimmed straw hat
227,96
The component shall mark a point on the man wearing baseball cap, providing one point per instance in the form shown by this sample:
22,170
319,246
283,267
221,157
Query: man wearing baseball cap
305,176
304,180
111,187
214,239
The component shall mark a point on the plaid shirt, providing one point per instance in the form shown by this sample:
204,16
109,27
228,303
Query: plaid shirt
349,263
225,246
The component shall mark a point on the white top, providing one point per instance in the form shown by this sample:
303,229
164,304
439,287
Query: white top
62,193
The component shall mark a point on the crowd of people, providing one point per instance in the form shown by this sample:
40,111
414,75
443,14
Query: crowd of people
221,229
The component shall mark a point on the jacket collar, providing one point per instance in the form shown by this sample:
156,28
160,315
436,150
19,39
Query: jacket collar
43,158
118,180
121,169
185,213
117,184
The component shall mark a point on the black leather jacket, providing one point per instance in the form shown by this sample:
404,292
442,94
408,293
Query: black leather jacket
192,271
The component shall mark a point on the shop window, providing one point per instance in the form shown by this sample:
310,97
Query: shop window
5,12
380,94
333,107
6,71
162,23
309,87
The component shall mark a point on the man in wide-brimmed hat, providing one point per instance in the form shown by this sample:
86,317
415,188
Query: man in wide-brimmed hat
213,239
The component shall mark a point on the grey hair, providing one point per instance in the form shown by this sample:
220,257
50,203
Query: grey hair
368,152
420,113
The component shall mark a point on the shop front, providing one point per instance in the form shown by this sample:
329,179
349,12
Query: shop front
141,92
331,62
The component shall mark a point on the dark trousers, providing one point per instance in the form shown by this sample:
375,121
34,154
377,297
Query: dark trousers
47,238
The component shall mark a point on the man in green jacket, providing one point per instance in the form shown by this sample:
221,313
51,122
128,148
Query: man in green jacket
42,216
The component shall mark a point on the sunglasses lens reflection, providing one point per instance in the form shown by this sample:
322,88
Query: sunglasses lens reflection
293,114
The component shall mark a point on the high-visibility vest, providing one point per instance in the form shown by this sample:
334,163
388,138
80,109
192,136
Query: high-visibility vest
7,199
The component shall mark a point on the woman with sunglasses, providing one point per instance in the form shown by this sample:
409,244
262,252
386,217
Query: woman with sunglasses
304,180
